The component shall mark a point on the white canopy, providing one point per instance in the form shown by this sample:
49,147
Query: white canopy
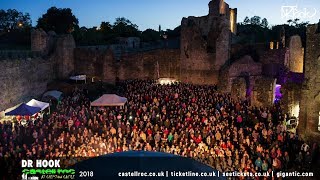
109,100
79,78
36,103
56,94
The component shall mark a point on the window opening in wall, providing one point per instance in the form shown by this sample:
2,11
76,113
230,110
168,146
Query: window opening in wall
277,93
295,110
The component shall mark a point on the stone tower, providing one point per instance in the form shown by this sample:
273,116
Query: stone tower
39,40
296,54
309,115
205,44
233,20
64,55
43,42
217,7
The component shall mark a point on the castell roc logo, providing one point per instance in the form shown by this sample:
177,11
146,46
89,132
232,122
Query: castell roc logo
25,177
295,12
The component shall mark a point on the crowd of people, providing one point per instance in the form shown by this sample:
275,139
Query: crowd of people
183,119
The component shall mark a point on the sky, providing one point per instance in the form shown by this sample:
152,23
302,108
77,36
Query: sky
167,13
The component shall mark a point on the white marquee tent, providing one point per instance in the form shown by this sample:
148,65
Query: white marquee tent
109,100
36,103
79,78
56,94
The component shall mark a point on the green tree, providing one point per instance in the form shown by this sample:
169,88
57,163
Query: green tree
246,20
264,23
254,30
150,35
60,20
295,22
106,27
125,28
255,20
13,19
173,33
297,28
79,34
107,32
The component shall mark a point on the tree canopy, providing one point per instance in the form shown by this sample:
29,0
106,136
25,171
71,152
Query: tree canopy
255,21
150,35
60,20
14,29
12,19
255,30
107,33
125,28
15,26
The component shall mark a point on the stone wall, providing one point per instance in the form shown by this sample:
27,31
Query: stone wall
273,63
310,101
217,7
239,88
291,96
39,40
43,42
95,63
296,54
263,92
244,79
198,65
147,64
26,78
276,56
244,67
143,65
233,20
205,44
23,80
223,81
64,56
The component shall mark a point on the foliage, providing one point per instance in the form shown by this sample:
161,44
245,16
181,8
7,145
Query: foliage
14,29
106,28
150,35
246,20
125,28
107,33
59,20
13,20
254,30
62,20
88,36
174,33
264,23
255,20
294,27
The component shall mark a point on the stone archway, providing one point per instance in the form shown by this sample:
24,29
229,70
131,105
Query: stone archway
240,86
